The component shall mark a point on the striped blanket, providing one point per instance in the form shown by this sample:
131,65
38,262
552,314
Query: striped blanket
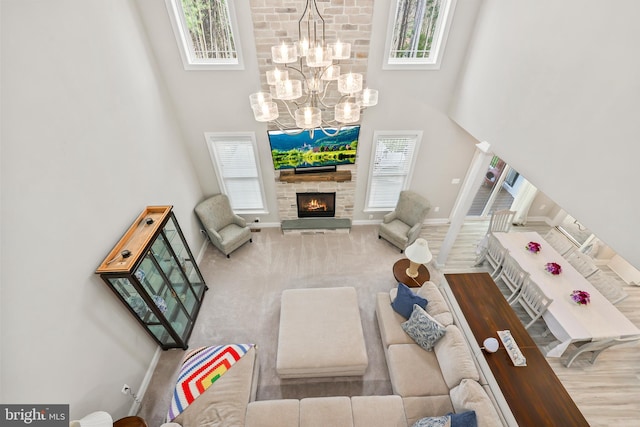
200,369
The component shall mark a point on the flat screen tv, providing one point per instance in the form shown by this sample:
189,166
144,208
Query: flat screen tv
301,151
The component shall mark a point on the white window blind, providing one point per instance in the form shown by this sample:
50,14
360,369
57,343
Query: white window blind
393,159
236,166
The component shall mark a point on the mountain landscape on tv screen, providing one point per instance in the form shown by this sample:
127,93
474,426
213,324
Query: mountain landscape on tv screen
300,151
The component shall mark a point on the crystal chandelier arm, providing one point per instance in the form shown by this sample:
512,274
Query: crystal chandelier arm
287,129
329,134
342,98
288,108
311,20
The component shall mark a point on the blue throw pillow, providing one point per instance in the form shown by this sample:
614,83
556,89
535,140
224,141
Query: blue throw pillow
464,419
403,304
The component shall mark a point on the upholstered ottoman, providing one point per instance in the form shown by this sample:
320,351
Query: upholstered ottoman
320,334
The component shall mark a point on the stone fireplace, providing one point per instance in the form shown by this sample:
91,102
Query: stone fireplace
287,189
316,205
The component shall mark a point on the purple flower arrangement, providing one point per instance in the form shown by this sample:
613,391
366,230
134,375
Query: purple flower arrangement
533,247
581,297
553,268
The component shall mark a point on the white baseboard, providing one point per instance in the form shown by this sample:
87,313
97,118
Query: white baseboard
145,382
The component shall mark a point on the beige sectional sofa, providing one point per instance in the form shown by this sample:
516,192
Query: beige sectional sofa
432,383
425,383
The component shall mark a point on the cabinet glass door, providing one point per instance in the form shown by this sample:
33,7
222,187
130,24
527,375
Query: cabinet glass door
189,274
173,290
129,294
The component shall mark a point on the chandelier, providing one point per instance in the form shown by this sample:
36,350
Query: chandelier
305,73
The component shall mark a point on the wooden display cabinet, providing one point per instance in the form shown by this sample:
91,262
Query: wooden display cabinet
153,272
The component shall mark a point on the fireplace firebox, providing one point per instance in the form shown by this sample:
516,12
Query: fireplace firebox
316,205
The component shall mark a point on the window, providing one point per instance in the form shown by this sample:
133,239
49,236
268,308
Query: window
206,35
235,162
417,32
392,166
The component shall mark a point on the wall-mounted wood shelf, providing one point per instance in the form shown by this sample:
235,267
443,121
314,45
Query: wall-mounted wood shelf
338,176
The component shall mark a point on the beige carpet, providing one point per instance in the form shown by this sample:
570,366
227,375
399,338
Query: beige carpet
243,306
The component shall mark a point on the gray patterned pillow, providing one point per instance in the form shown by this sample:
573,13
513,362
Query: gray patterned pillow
424,329
444,421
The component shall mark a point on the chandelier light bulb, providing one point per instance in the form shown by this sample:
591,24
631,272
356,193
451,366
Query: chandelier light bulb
284,53
259,98
332,72
308,117
319,56
367,98
340,50
347,112
276,75
265,112
350,83
289,89
304,46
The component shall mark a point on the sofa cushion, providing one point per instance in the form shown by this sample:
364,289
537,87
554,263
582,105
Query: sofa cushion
425,406
389,322
415,372
454,357
273,413
326,411
405,299
437,307
470,396
424,329
380,411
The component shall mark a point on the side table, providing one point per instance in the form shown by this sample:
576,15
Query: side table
131,421
400,274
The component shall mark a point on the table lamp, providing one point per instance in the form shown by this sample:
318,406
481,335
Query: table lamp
94,419
417,253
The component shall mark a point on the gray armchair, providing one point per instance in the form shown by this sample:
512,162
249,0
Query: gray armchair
402,226
226,230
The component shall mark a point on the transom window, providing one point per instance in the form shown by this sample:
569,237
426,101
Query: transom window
392,167
206,35
237,168
417,33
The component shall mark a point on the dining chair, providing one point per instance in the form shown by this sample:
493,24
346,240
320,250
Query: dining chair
583,263
559,241
501,221
512,275
597,347
533,300
493,254
608,287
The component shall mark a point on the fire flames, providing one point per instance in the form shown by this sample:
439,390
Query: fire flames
315,205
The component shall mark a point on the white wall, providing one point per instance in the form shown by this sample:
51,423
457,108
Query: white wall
209,101
553,87
88,140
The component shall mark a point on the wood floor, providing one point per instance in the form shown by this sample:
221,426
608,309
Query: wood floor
608,392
